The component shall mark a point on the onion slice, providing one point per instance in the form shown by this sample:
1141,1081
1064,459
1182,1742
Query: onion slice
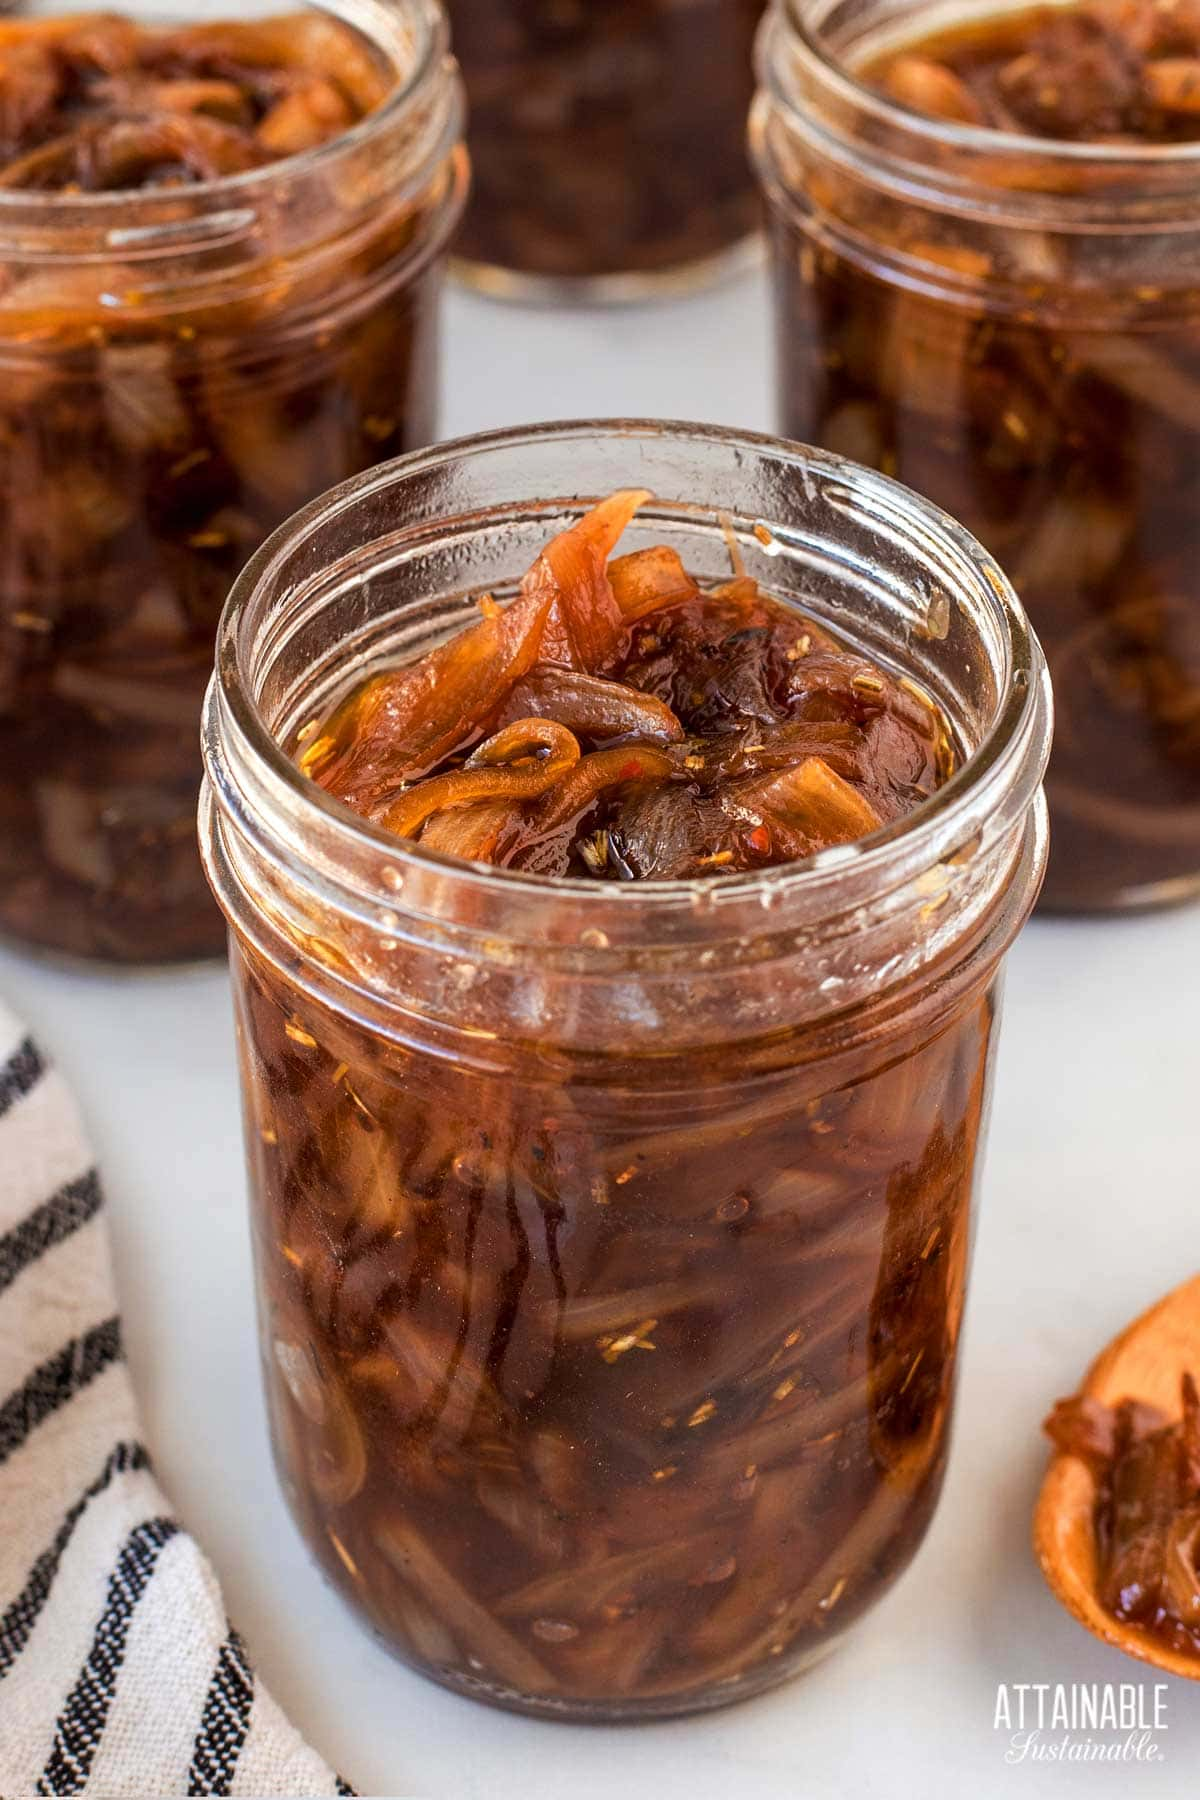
521,762
592,707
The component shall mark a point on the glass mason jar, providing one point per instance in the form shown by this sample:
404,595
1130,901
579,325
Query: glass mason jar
611,1239
1012,326
607,144
180,369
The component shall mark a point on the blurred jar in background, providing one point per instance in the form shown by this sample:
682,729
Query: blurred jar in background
206,317
607,143
1010,324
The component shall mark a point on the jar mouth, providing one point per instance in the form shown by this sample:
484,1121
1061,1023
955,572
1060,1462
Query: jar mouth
413,34
806,21
992,789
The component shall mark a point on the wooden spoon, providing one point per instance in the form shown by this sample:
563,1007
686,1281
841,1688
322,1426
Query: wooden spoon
1145,1362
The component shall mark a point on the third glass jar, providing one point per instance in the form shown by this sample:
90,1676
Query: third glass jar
607,142
1012,326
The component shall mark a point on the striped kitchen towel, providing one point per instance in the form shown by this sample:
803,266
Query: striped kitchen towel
119,1672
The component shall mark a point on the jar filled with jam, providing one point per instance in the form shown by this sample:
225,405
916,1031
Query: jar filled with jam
986,239
220,249
607,144
619,881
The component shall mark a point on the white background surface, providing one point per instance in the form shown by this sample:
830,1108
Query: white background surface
1088,1213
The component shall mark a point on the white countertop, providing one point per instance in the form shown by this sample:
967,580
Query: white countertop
1088,1213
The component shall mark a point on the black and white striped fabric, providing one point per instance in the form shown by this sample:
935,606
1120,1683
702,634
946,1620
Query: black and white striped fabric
119,1672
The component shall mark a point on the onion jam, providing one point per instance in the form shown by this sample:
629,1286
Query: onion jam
617,1381
1147,1509
618,722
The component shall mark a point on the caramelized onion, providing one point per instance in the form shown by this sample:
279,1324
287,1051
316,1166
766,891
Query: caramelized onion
593,774
472,832
812,801
592,707
407,721
505,768
584,623
1147,1508
730,733
104,105
648,580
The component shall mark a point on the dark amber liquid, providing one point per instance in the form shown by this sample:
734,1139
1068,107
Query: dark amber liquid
614,1387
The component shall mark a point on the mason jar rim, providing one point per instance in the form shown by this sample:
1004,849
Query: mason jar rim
1000,779
804,20
430,52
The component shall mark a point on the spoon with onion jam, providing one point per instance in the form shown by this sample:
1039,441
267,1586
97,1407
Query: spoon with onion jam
1117,1524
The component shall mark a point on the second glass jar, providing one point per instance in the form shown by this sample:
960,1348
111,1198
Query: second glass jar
1012,326
180,368
612,1238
